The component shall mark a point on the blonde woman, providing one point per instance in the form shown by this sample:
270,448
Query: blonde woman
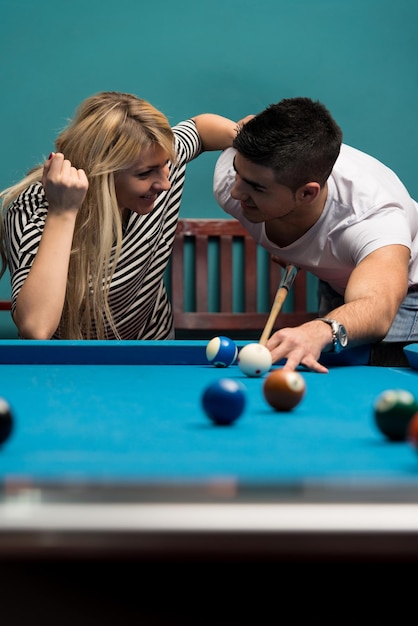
87,235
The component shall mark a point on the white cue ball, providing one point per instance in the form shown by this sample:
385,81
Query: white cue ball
254,359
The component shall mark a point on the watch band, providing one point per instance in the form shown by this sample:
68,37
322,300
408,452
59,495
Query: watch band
339,334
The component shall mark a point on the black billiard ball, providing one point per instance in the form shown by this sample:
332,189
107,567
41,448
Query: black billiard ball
6,420
284,389
393,410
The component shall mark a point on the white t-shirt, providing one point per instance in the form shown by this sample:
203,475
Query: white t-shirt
367,208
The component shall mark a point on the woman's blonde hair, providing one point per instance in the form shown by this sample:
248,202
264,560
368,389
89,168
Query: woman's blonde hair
107,135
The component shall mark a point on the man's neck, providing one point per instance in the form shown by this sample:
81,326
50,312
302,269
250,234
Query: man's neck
285,231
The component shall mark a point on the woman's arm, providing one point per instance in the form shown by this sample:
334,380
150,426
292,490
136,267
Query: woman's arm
41,298
216,132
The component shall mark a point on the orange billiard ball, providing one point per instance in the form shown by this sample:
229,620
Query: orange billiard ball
284,389
412,432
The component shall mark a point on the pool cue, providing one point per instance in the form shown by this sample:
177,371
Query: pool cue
281,295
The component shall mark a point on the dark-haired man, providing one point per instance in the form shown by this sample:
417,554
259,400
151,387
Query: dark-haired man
337,212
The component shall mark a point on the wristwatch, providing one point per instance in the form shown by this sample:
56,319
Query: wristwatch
339,334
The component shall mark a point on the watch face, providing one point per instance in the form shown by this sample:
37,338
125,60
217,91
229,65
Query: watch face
339,334
342,336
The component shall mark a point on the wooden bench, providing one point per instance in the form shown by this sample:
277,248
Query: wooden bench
204,263
214,264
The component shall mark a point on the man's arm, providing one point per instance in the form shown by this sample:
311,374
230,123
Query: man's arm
373,295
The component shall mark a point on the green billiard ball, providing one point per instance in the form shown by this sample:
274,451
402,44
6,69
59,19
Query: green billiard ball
393,410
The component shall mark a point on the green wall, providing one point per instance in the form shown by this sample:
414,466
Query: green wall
232,57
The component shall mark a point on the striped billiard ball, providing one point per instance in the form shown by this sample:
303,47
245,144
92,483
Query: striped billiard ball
284,389
393,410
221,351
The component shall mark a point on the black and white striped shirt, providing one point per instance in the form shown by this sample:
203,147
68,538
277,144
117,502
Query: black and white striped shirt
137,296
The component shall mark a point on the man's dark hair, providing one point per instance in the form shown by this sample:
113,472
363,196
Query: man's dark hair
297,137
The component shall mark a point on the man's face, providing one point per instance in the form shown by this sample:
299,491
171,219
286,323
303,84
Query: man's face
262,198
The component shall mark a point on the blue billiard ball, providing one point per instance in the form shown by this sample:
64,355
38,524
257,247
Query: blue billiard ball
221,351
224,401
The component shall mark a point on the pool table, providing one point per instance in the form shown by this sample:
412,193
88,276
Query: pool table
111,453
120,502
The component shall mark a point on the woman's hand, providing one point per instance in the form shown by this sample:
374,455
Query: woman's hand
65,186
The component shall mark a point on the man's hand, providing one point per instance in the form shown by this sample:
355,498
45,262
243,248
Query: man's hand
301,345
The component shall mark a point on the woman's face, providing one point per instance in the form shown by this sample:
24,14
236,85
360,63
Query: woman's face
138,187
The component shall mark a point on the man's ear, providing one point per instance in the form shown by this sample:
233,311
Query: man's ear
308,192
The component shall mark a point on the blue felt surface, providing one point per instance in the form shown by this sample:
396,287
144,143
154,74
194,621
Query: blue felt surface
145,422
